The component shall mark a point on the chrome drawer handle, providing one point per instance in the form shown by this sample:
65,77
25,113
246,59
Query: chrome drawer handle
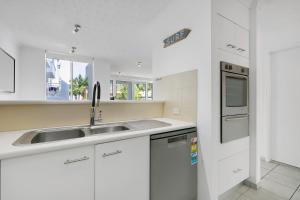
112,153
76,160
237,171
231,46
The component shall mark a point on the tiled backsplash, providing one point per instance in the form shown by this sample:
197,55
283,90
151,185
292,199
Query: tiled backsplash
21,117
179,91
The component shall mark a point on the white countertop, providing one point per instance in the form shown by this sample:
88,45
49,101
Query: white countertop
7,150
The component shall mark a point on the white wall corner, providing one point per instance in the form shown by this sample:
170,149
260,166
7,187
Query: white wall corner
102,73
254,138
32,73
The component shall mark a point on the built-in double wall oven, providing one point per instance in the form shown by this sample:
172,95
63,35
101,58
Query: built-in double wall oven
234,102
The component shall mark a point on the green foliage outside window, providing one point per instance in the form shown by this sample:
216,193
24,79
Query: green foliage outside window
80,87
139,91
122,92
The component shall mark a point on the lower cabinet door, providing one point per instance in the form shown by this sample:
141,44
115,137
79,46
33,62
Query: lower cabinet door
122,170
59,175
233,170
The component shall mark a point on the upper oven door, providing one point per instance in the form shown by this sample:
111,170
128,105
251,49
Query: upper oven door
234,94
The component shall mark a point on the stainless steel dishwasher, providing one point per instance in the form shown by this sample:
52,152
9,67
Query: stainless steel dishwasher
174,158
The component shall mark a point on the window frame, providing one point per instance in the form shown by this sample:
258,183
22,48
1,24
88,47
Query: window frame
131,91
71,59
147,97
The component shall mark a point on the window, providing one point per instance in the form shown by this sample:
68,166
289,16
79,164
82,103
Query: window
139,90
111,93
127,90
150,91
124,90
68,80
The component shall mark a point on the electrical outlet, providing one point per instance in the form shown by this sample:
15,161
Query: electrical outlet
176,111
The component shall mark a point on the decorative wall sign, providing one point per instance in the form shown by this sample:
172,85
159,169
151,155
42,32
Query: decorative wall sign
180,35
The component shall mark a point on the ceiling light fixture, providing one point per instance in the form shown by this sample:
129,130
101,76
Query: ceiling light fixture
73,50
77,27
139,64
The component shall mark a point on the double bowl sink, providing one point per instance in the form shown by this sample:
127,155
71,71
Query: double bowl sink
58,134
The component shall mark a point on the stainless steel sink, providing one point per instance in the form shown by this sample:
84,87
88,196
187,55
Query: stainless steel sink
58,134
107,129
49,135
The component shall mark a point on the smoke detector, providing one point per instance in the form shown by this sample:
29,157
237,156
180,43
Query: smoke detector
77,27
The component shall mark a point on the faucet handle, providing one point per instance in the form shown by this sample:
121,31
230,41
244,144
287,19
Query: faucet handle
100,116
92,113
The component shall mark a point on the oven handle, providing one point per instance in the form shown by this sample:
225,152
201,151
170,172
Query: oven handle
234,75
236,118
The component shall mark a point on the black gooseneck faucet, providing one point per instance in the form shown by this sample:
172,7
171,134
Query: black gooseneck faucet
95,105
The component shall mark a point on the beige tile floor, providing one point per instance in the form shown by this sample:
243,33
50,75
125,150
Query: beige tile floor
279,182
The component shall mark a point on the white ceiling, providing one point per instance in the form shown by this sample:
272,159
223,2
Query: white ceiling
279,24
111,29
247,3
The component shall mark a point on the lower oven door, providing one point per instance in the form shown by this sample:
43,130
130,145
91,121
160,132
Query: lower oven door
234,127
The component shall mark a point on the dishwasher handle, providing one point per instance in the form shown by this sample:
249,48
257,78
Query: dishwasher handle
176,139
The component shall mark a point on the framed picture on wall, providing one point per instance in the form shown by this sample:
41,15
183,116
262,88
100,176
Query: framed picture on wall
7,72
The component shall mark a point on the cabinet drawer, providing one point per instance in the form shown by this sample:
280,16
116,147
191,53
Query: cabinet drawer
233,170
242,41
226,35
232,38
232,58
235,11
59,175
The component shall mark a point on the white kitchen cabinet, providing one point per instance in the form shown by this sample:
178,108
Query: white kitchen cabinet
122,170
232,58
60,175
242,41
233,147
233,170
234,10
232,38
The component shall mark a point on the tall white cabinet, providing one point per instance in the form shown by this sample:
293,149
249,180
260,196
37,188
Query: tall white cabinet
231,43
122,170
59,175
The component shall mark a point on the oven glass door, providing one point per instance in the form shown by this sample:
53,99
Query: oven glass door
234,94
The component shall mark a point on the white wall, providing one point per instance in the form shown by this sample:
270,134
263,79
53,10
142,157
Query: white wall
32,73
191,53
285,107
278,24
188,54
10,45
102,74
255,170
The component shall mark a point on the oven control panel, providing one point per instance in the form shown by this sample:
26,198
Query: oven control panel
228,67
